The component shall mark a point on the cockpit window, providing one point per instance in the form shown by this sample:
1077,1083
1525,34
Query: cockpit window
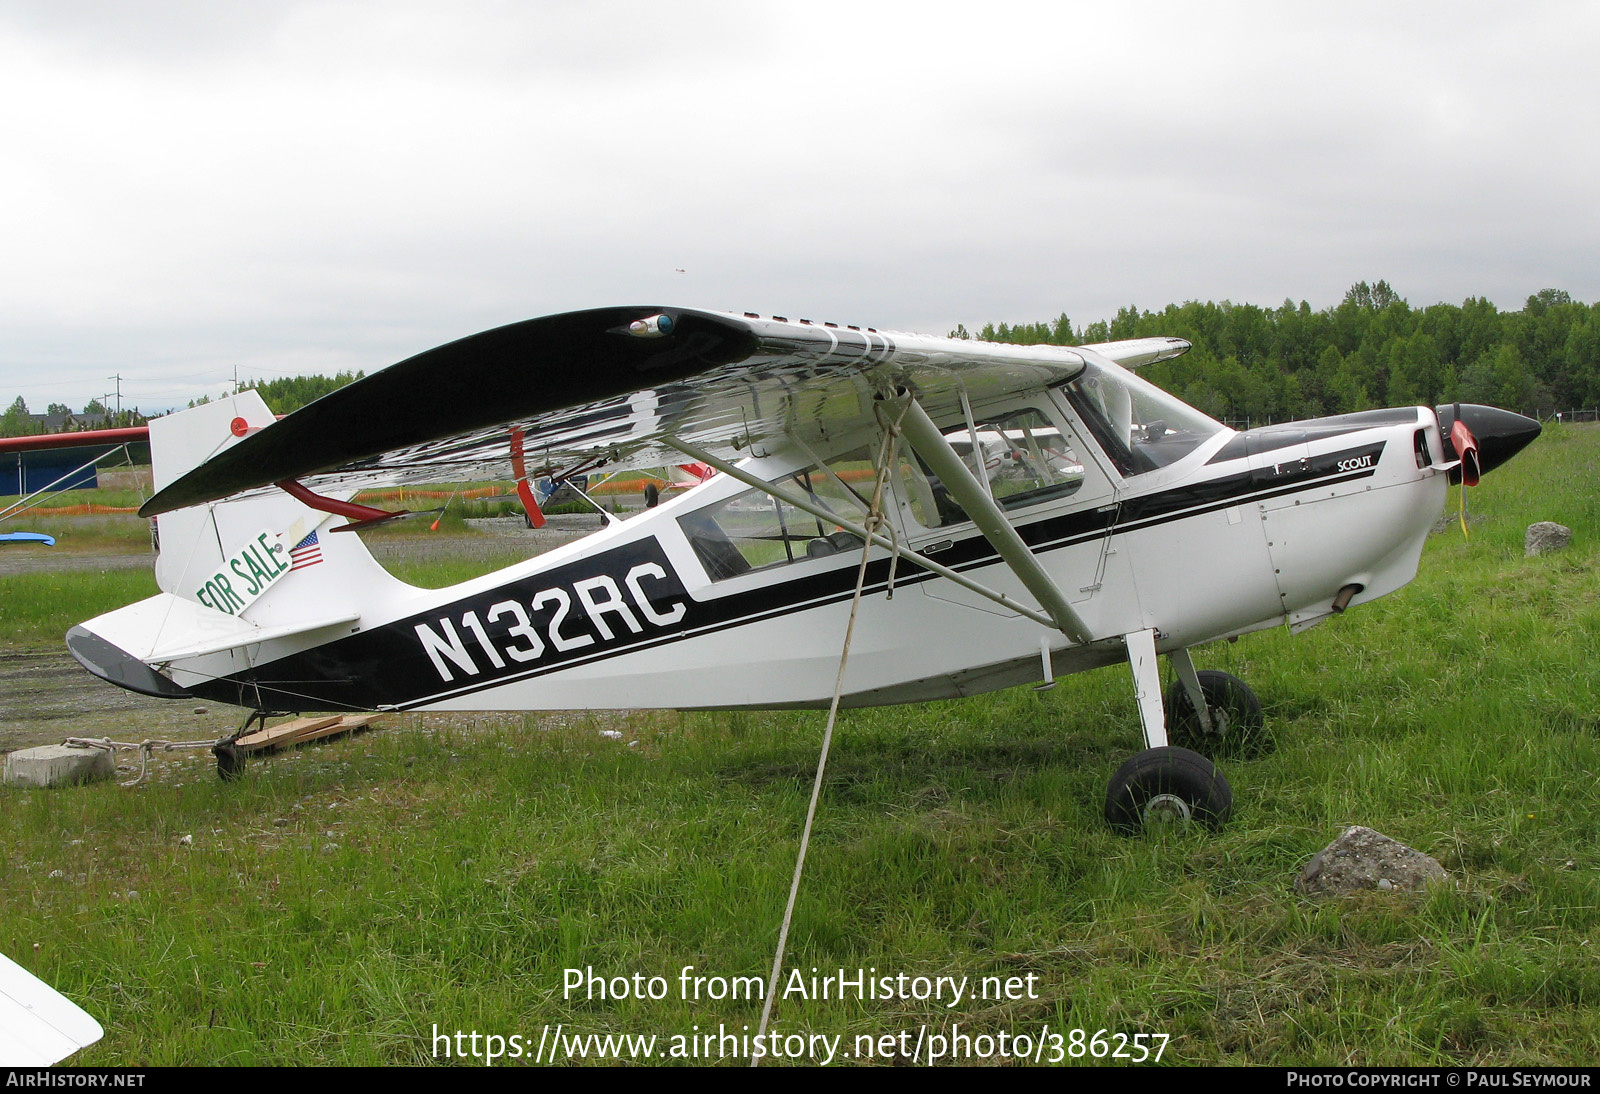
754,531
1140,426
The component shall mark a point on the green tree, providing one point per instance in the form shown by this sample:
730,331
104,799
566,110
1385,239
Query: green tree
1414,371
15,422
1372,349
289,393
1500,377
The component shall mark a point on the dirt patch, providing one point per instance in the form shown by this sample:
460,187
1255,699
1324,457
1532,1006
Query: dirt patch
40,562
136,478
45,696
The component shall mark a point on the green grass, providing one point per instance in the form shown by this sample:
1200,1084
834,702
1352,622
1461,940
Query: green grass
474,858
43,607
126,534
123,497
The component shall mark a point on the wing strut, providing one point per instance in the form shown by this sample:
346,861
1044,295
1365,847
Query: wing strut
359,516
519,468
991,520
806,505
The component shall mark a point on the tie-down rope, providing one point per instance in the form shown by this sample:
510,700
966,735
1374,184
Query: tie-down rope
145,748
887,451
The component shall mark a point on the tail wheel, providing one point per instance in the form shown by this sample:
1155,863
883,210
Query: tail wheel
230,762
1167,785
1238,728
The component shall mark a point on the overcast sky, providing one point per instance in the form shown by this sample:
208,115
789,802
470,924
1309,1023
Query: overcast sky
187,188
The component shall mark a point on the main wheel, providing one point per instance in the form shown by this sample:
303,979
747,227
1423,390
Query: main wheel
1167,785
1237,726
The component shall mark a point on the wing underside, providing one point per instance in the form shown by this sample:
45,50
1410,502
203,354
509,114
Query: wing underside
605,388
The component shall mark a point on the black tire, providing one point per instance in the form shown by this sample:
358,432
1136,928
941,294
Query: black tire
1167,783
1238,728
652,495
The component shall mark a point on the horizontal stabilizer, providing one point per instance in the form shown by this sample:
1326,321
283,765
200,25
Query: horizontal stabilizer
171,628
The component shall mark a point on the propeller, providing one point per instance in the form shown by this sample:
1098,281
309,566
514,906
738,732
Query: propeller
1482,438
1466,446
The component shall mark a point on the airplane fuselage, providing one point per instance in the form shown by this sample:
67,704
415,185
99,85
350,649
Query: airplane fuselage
1243,532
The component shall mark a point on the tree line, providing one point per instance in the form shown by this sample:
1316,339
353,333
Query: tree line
287,394
283,395
18,421
1371,350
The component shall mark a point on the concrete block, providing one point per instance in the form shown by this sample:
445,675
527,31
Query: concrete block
58,765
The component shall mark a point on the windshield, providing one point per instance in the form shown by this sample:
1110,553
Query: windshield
1140,426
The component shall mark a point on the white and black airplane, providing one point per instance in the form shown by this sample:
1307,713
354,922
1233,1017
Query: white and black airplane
1040,511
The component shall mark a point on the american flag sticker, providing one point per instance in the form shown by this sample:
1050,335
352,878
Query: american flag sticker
305,553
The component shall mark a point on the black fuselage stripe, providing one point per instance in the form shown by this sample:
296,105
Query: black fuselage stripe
839,584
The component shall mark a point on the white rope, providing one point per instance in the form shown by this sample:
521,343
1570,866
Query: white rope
873,521
145,749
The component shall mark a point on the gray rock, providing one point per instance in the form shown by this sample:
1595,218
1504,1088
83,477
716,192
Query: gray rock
1545,536
1364,859
58,765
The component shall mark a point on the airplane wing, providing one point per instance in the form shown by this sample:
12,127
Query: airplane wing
38,1025
88,438
45,462
580,390
1138,352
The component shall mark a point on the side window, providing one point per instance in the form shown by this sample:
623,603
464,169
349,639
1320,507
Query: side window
754,531
1023,454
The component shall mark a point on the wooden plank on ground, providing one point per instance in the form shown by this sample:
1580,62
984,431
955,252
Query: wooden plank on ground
283,733
353,723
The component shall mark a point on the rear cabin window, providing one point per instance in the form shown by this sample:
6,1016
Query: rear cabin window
755,531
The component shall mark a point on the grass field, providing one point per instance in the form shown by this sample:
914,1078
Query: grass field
338,904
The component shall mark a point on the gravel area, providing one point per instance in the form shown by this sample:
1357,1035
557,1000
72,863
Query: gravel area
46,695
36,561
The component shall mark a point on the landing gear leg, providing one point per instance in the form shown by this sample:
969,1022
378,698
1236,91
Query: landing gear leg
1189,680
1147,686
1214,713
1163,784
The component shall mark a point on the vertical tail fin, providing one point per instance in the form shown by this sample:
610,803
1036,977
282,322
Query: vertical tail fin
243,581
265,556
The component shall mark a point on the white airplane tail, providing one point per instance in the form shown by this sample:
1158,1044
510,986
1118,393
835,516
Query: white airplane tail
233,556
238,577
